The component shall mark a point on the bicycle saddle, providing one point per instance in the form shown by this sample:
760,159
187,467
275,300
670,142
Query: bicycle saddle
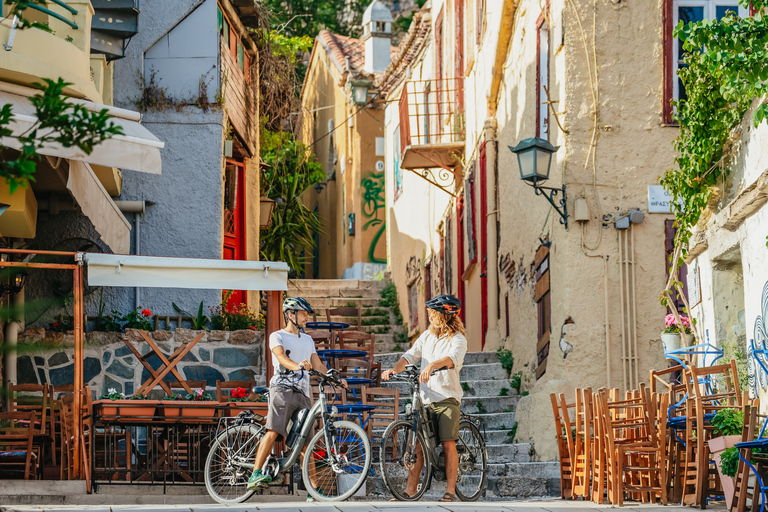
257,390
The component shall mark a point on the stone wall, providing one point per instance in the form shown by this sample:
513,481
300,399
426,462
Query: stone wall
47,357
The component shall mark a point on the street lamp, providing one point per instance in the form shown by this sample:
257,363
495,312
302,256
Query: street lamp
360,91
16,284
534,158
266,207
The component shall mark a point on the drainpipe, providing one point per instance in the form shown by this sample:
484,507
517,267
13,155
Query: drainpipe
12,330
491,148
137,208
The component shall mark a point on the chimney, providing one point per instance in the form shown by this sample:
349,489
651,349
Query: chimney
377,35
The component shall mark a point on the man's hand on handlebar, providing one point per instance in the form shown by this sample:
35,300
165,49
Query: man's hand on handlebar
386,374
305,365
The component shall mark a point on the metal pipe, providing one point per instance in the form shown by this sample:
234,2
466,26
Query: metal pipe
137,251
621,302
54,14
27,251
12,330
131,206
634,308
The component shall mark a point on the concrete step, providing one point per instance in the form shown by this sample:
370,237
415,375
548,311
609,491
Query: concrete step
498,437
503,453
320,304
470,405
469,358
473,388
335,284
486,371
505,481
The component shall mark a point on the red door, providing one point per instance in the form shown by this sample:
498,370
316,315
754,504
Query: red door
460,251
234,219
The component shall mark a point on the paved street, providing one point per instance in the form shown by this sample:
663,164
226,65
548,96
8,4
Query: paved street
544,505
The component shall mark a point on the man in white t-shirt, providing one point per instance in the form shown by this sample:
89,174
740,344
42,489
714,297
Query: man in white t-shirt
293,353
442,345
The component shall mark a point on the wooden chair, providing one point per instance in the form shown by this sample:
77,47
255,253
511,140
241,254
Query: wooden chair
583,444
701,480
634,453
353,340
387,403
565,443
742,489
346,313
31,398
665,381
324,340
17,453
230,385
192,384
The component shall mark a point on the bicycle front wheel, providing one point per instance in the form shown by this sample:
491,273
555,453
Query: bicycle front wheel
473,462
402,458
225,476
329,478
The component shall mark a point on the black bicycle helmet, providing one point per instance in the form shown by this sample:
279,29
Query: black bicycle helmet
297,304
447,304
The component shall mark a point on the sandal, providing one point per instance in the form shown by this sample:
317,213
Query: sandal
395,499
448,497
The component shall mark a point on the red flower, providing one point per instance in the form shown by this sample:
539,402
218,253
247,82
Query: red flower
55,324
319,454
239,393
252,327
146,312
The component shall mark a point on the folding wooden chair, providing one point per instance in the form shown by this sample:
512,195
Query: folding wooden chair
346,313
229,385
353,340
183,385
583,444
564,432
324,340
742,489
17,452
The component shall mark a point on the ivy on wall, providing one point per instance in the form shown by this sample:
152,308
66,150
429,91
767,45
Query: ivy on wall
726,68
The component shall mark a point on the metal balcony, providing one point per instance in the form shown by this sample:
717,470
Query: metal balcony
114,23
432,130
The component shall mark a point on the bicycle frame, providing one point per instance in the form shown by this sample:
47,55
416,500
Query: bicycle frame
418,417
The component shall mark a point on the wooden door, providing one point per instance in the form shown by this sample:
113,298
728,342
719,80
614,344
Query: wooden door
234,219
483,245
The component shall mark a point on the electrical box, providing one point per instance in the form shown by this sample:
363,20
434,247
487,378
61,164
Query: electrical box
581,210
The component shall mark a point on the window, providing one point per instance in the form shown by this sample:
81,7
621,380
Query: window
448,256
240,56
469,199
542,76
686,11
332,157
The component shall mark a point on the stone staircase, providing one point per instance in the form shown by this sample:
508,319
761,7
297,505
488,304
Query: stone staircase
325,294
513,471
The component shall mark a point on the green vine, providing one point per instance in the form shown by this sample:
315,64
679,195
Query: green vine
725,70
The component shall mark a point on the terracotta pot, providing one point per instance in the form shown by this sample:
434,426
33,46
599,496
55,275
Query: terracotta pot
717,446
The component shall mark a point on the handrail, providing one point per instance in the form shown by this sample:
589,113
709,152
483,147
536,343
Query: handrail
55,14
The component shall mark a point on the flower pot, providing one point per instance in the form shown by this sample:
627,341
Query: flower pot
193,409
717,446
672,341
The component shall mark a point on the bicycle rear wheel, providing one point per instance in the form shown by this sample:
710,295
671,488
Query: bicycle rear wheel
350,444
401,453
225,476
473,462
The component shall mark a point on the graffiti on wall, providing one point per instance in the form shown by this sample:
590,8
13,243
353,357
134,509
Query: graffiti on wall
757,361
373,203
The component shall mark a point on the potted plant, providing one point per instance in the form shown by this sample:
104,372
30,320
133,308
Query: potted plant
114,403
728,425
676,336
242,398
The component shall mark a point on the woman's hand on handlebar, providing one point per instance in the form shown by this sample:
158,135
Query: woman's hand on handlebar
386,374
430,370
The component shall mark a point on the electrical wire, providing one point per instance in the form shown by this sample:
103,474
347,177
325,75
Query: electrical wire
342,123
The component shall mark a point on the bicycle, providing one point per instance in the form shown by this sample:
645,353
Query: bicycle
339,452
403,439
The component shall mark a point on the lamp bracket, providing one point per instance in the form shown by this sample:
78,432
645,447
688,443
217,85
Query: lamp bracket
558,204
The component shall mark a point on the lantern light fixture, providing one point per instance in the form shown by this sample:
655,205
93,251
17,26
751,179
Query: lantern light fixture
360,91
534,159
266,207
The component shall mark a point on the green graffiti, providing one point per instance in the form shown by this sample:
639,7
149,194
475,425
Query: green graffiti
373,201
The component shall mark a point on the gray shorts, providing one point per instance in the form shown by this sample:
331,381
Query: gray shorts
282,404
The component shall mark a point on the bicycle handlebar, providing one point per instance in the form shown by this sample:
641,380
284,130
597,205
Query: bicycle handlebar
331,377
412,372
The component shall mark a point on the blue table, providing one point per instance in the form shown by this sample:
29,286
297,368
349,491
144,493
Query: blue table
352,381
335,353
329,326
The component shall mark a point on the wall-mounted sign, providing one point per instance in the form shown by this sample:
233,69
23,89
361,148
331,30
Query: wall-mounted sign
659,200
694,287
380,166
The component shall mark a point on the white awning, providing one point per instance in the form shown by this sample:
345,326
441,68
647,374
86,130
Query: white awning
136,150
96,204
204,274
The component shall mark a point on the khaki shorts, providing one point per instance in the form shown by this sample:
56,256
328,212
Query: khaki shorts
282,404
448,416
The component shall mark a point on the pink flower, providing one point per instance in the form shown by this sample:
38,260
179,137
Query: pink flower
670,320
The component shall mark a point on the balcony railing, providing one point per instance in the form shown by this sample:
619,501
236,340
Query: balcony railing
432,129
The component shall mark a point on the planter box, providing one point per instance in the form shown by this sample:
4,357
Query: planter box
188,409
717,446
235,408
136,410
